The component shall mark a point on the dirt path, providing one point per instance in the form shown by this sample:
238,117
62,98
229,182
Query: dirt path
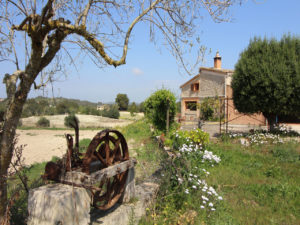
42,145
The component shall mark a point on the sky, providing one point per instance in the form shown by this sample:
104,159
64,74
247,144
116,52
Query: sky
148,69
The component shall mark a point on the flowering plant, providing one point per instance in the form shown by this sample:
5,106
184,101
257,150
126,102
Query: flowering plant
184,137
189,169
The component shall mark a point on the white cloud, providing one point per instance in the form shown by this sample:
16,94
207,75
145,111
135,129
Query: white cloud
137,71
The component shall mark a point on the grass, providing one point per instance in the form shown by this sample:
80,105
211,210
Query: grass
143,147
259,185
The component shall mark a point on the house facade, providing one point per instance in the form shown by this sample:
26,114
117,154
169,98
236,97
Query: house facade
213,82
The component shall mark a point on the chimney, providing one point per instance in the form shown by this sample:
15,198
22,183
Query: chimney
217,61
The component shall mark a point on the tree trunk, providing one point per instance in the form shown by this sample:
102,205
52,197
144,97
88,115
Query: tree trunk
3,195
271,121
11,119
17,96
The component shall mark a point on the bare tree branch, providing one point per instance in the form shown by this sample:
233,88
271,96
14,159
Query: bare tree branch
16,5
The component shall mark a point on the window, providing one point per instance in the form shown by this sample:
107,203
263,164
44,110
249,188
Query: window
191,105
195,87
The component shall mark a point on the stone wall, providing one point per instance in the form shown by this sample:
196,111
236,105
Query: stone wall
210,85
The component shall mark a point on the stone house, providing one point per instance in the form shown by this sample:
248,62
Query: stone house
102,107
213,82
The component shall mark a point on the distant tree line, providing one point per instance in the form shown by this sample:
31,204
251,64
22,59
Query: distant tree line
41,106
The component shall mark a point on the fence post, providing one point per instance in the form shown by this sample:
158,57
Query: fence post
220,115
168,119
227,115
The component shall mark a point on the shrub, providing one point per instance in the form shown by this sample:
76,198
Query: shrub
283,130
209,108
156,108
71,121
43,122
196,137
133,109
111,112
184,180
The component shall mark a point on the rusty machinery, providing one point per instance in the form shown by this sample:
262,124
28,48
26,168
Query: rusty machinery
103,169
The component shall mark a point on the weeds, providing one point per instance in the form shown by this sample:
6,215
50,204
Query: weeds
184,194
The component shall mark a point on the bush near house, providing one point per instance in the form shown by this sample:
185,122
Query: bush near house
209,109
156,108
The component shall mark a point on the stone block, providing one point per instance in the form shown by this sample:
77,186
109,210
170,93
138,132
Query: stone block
129,191
55,204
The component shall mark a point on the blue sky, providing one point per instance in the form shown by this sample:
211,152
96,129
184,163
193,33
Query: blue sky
148,69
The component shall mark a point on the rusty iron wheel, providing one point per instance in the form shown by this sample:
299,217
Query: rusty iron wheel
112,190
109,147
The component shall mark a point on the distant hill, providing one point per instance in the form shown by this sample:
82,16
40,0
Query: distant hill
55,101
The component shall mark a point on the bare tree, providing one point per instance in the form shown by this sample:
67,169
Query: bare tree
33,33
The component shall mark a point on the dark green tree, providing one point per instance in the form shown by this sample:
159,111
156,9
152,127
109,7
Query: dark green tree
122,101
267,78
156,108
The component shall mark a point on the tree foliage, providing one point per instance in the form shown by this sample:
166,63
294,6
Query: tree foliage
141,107
133,109
122,101
267,78
156,108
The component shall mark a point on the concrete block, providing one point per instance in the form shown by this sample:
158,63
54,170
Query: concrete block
55,204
